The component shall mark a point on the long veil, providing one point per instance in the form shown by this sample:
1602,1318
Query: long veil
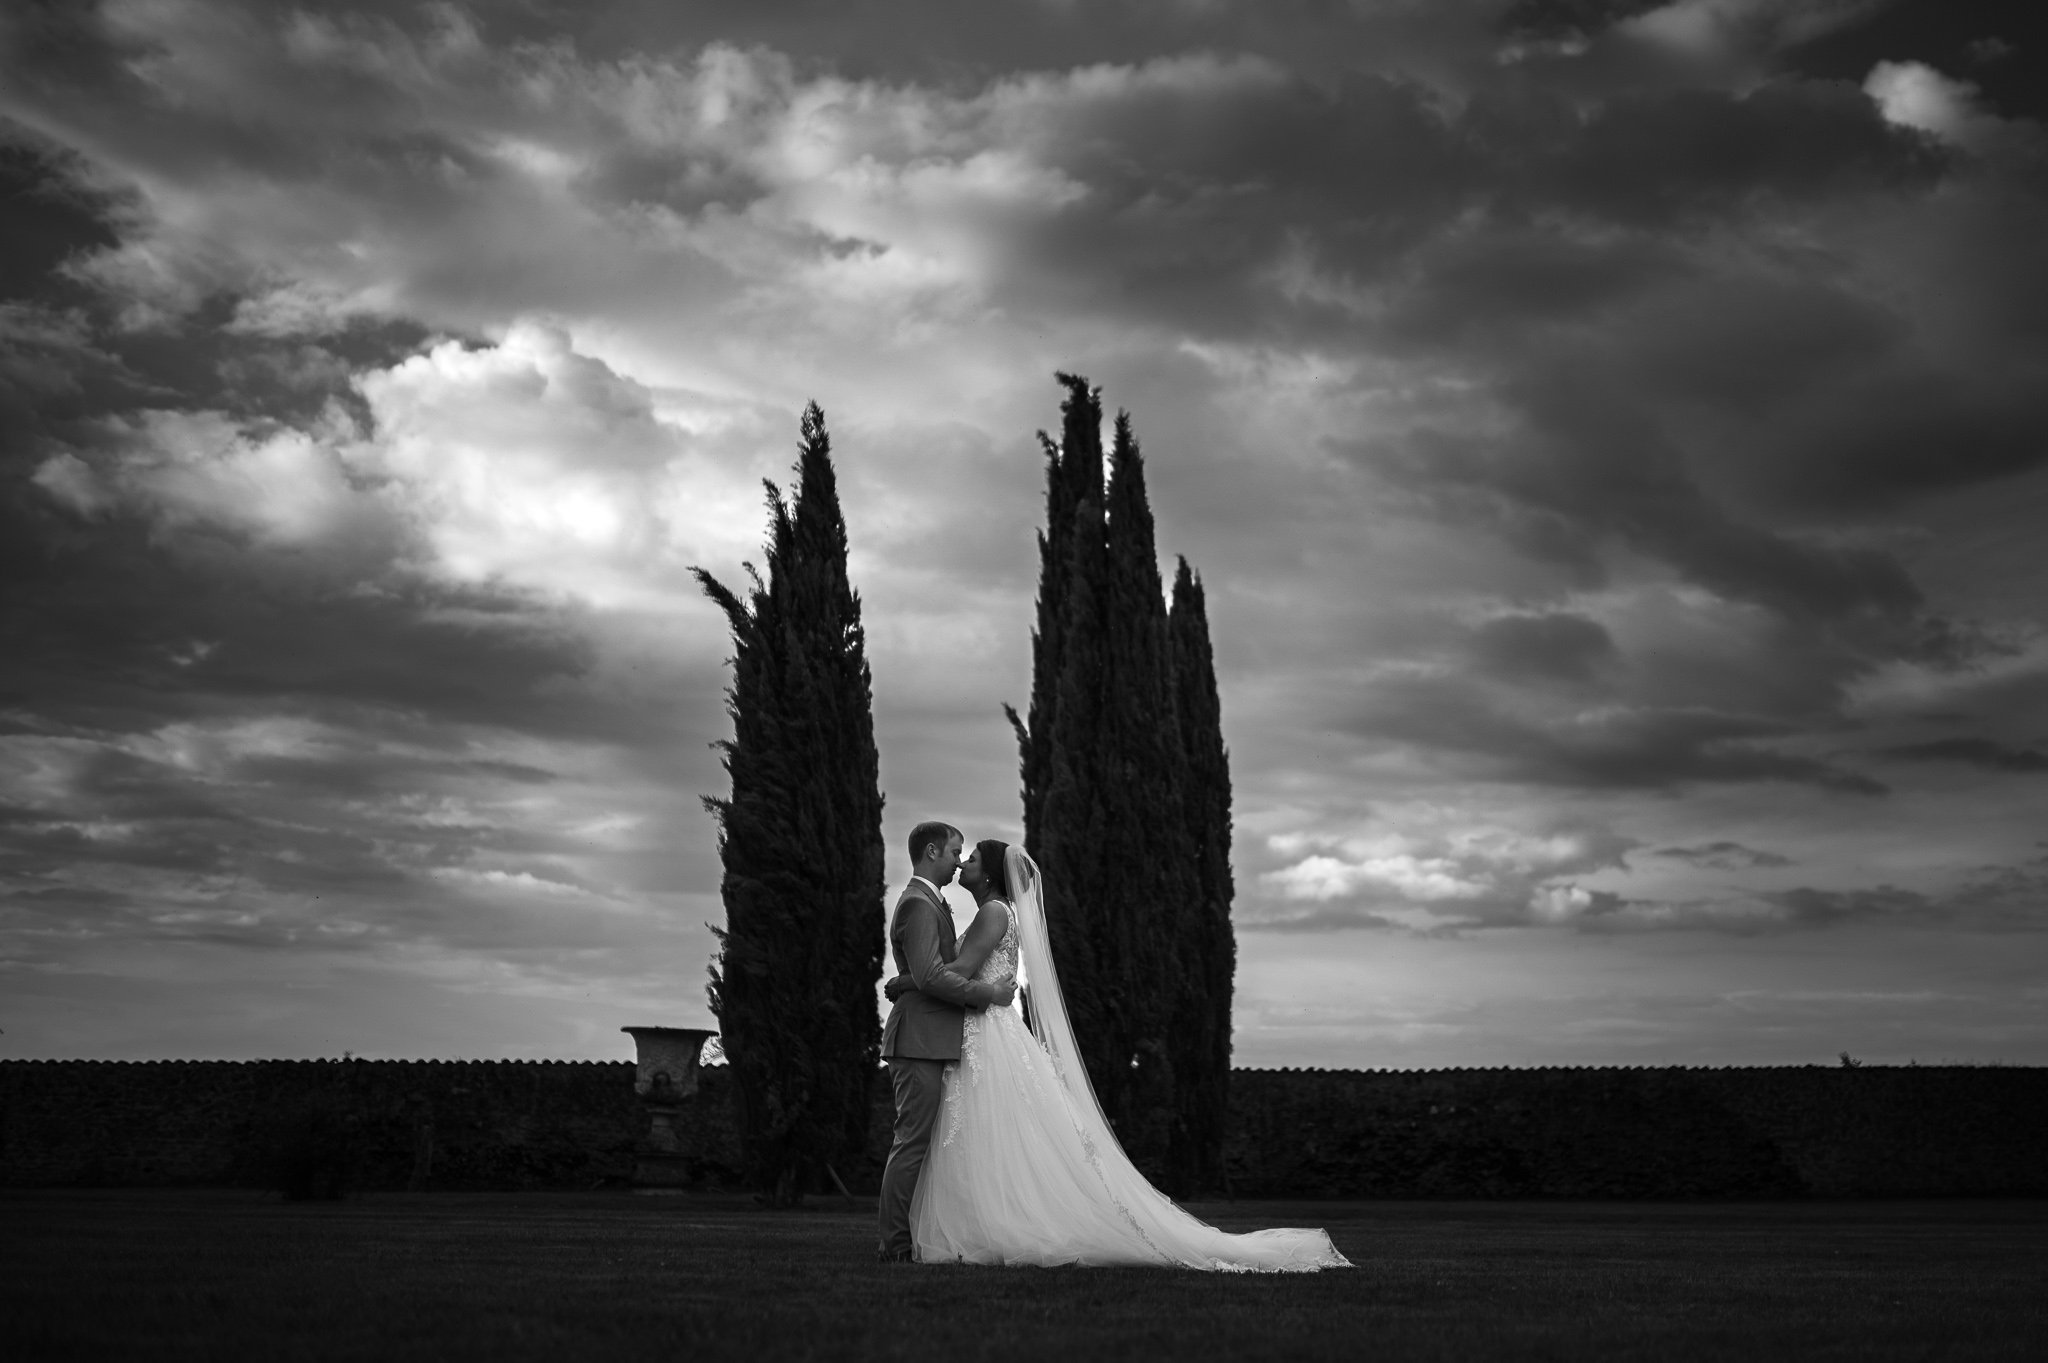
1046,1009
1038,1177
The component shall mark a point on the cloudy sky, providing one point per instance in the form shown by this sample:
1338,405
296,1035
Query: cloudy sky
1612,436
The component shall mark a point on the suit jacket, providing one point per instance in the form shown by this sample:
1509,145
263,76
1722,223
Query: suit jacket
925,1022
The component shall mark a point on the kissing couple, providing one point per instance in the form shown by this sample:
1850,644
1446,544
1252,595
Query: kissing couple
1001,1153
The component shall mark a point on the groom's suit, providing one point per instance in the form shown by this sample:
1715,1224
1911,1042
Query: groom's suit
922,1034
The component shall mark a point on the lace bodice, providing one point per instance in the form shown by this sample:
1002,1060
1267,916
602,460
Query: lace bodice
1002,960
1001,964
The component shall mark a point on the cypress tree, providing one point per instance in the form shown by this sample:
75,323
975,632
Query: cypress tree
1073,515
1209,945
1067,826
800,838
1150,883
1106,769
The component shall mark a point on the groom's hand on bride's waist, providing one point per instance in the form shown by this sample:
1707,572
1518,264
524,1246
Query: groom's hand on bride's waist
1005,990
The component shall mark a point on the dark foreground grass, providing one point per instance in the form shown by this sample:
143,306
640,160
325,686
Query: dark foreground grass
231,1275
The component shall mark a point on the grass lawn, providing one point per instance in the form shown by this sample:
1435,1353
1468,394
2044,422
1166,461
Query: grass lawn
233,1275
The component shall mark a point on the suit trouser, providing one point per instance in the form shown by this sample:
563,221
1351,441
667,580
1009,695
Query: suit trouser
919,1085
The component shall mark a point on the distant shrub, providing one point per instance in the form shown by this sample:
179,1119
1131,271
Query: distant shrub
314,1150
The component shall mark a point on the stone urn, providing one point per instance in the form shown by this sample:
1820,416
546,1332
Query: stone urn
669,1058
673,1051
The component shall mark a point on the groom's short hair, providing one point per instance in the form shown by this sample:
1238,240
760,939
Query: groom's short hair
930,831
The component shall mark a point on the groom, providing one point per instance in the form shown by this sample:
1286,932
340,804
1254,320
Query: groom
923,1031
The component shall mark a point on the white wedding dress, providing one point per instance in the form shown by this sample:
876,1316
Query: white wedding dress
1023,1168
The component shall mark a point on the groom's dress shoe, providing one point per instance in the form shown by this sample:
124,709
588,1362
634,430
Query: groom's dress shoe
901,1256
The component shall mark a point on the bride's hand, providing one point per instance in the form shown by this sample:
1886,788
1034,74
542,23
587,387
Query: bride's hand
898,987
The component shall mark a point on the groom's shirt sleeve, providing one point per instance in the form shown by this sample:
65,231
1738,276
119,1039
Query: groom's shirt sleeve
931,972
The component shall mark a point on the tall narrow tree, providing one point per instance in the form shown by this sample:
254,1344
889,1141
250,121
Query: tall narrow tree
1073,521
800,836
1067,826
1152,880
1209,946
1106,810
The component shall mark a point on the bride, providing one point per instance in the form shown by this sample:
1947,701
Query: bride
1023,1168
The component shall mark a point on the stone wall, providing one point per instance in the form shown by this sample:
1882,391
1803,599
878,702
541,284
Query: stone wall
1608,1133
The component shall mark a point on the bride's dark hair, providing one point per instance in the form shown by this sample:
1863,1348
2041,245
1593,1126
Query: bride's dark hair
991,853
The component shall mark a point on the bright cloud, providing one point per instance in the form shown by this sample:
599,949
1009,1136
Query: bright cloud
1410,877
1915,95
1464,875
285,486
530,464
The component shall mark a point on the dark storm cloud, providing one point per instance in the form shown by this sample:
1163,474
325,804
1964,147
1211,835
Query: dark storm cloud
1196,181
338,146
66,361
1554,645
1494,284
1724,856
1568,18
1896,433
285,834
102,65
50,218
109,628
1752,344
1812,908
2009,897
1682,158
1976,752
1851,410
1612,748
1988,899
1665,393
1593,468
1208,182
53,364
